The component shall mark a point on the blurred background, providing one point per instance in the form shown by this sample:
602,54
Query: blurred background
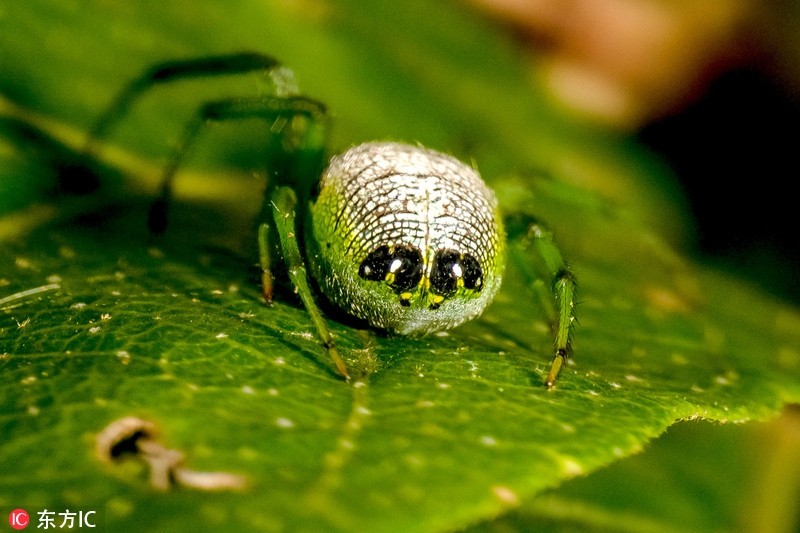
712,87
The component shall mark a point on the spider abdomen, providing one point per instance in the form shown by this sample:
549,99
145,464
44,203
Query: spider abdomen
406,238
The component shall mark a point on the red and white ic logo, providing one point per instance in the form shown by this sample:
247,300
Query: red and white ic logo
19,519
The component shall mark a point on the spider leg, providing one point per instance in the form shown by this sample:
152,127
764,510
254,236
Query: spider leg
299,160
303,158
170,71
284,207
297,134
282,81
526,232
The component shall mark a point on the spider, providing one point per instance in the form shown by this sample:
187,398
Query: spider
407,239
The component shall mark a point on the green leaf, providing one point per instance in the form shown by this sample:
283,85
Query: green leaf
697,477
99,321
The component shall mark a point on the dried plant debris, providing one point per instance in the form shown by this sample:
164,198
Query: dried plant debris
134,437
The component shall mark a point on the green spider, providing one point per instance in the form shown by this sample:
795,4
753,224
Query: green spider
408,239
